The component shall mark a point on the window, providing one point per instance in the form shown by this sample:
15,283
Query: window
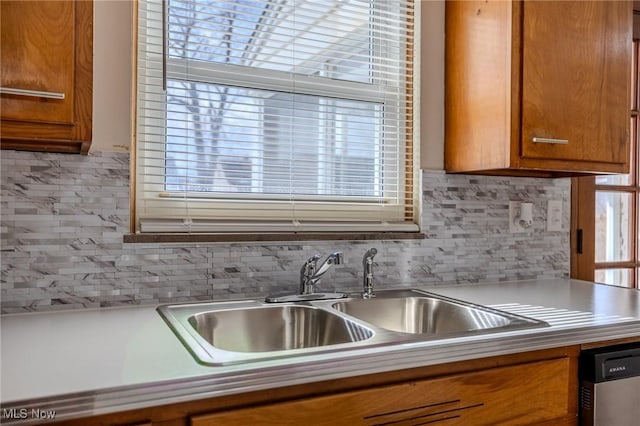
608,215
275,115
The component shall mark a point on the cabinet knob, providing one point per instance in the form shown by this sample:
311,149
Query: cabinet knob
31,93
548,140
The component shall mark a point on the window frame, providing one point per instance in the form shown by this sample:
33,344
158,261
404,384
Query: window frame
311,85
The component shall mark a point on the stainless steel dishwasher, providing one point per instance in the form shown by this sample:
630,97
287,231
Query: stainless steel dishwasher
610,386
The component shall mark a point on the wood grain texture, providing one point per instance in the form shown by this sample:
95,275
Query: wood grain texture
575,73
33,34
583,217
477,85
83,105
519,69
594,345
47,46
517,395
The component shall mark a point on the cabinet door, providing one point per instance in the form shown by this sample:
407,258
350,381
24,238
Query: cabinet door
47,71
37,55
517,395
576,80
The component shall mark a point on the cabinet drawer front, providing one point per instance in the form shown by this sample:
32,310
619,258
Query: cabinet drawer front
575,81
515,395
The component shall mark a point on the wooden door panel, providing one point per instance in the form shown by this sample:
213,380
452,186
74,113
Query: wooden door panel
515,395
575,74
38,54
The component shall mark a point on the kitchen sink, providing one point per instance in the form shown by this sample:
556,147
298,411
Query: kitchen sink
229,332
219,333
423,315
275,328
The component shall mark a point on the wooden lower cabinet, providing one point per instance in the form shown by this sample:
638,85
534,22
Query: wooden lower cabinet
525,394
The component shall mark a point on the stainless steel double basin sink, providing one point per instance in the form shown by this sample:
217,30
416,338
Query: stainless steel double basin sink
219,333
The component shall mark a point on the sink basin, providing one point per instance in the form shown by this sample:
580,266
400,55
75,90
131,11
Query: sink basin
275,328
429,315
220,333
227,332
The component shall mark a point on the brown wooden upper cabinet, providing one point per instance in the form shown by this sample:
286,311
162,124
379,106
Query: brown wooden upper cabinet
46,99
538,88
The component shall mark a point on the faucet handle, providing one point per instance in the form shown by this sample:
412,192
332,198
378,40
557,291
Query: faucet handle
307,271
313,260
369,255
309,267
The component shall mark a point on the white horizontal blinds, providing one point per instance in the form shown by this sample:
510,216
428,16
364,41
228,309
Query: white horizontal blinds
277,110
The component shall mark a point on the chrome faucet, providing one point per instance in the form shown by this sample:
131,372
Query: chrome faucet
367,281
310,273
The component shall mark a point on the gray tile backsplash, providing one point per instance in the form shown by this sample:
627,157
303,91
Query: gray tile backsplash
64,216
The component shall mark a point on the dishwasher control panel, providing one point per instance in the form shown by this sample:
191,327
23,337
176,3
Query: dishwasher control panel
610,363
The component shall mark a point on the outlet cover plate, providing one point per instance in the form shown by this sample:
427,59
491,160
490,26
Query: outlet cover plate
554,215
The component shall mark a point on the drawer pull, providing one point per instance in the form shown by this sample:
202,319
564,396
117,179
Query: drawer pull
32,93
547,140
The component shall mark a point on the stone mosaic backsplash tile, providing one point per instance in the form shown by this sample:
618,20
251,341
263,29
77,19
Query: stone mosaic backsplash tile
63,218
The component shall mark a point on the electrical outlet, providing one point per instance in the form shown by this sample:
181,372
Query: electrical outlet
554,215
520,217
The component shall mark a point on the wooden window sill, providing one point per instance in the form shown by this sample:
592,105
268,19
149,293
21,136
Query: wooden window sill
267,237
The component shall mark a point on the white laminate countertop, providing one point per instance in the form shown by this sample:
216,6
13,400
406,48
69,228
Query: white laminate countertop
97,361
